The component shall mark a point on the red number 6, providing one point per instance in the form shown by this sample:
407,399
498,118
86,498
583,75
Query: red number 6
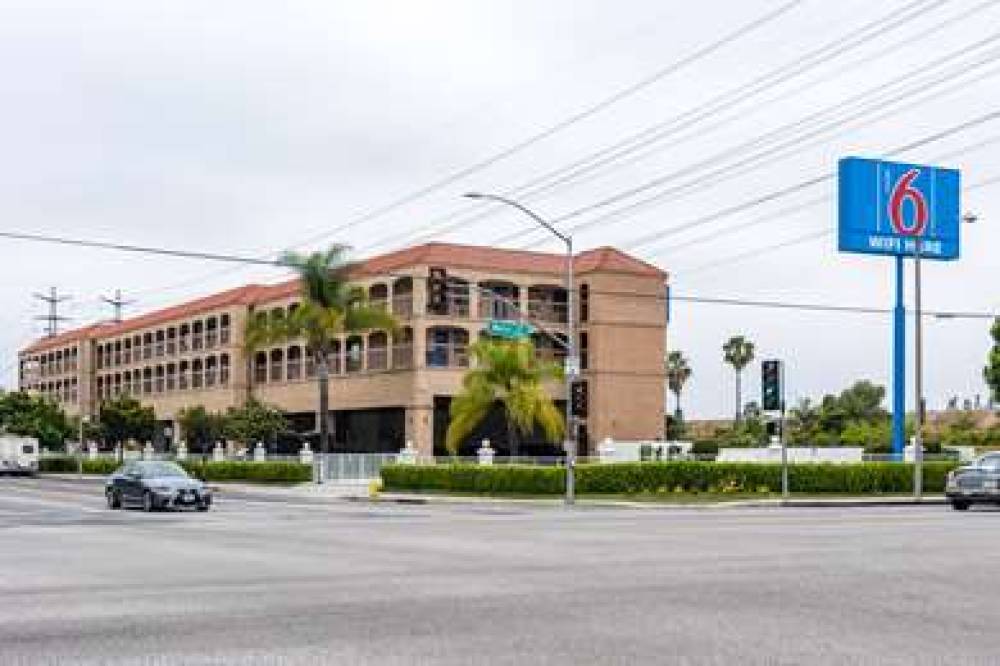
902,191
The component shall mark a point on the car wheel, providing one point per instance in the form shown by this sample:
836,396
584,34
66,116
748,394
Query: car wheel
147,501
960,505
114,499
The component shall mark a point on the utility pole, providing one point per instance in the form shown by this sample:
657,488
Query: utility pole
117,303
52,319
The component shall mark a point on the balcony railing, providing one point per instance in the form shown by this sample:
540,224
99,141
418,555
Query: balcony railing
544,310
402,306
378,358
499,308
447,355
402,357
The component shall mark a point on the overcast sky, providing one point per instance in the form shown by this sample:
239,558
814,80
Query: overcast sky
248,127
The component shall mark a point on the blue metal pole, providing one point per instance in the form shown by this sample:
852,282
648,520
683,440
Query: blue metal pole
899,365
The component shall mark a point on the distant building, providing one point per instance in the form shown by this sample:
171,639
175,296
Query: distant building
386,389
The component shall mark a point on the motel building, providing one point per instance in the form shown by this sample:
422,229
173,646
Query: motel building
385,389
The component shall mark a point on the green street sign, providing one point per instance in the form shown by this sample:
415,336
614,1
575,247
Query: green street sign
506,328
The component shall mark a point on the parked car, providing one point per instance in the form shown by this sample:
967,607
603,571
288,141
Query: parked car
18,455
153,485
975,483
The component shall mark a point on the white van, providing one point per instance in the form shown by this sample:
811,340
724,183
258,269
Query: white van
18,455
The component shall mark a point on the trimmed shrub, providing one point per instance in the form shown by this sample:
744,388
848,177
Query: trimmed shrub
664,477
261,472
69,465
247,470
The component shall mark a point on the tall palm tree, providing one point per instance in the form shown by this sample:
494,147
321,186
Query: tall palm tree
678,372
511,373
738,352
330,307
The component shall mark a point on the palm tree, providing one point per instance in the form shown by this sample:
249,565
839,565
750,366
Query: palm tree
678,372
511,373
330,307
738,352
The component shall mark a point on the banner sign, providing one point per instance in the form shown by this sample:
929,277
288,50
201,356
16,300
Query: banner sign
885,206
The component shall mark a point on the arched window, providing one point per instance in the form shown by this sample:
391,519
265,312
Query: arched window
224,370
294,363
171,341
402,297
160,384
224,329
260,368
211,371
171,376
447,347
147,380
118,353
147,345
127,382
197,335
211,332
378,295
584,302
117,385
197,373
183,375
402,349
161,343
277,365
378,350
354,353
184,338
499,299
547,302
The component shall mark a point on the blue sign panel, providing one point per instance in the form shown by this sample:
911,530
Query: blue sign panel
885,206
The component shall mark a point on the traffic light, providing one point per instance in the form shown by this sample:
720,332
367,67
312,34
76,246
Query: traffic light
578,398
437,291
771,390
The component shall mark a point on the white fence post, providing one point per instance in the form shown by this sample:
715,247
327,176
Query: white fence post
218,453
306,454
606,450
259,453
182,450
407,454
485,453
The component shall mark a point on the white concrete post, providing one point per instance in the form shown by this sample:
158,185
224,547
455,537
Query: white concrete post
407,454
147,451
218,453
606,450
259,452
92,450
182,450
485,453
306,454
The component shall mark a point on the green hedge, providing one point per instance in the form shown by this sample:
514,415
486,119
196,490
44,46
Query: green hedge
664,477
277,471
69,464
248,470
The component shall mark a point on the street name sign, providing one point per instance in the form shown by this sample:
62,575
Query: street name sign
884,207
506,328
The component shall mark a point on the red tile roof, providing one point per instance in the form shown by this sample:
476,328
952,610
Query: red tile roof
605,259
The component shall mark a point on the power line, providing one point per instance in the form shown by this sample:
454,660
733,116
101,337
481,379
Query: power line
740,167
724,101
565,123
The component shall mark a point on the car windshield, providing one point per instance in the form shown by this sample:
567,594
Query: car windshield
161,470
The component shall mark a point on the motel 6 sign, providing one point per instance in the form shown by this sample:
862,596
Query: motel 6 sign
885,206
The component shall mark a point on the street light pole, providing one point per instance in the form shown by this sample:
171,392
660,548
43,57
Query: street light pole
572,362
918,364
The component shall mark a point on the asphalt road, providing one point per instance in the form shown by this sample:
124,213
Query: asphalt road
264,582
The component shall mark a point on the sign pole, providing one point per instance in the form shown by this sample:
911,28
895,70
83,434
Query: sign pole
918,377
899,365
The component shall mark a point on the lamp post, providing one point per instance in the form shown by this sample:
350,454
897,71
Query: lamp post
918,365
572,362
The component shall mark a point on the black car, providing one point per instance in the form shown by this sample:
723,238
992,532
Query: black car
152,485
